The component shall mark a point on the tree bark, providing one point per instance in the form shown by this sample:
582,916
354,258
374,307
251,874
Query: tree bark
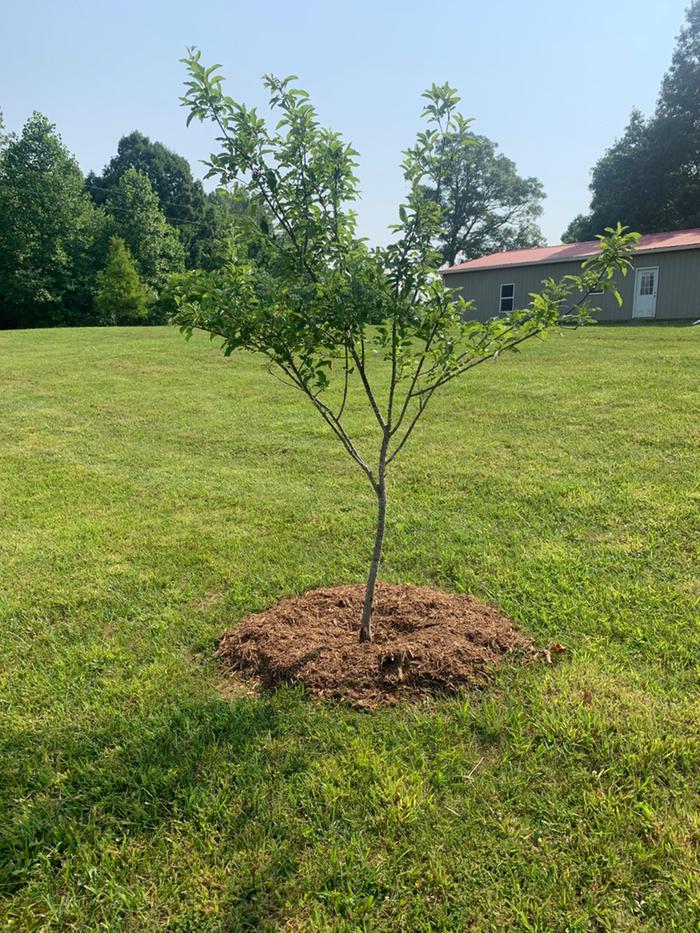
366,626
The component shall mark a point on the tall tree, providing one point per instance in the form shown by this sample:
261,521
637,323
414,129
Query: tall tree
324,308
135,216
486,206
181,198
675,130
49,228
650,178
203,221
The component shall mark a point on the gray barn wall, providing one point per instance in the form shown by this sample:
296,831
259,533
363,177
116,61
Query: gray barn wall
677,297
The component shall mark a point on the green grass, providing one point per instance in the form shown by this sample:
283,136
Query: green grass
152,493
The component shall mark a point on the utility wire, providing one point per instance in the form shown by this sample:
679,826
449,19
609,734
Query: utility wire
201,225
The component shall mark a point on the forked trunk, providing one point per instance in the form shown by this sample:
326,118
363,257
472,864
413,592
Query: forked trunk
366,626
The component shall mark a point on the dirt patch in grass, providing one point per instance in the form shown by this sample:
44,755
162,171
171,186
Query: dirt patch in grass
425,642
209,600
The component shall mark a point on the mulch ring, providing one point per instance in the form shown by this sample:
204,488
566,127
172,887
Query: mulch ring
425,642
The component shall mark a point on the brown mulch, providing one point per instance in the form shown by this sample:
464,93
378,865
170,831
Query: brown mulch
425,642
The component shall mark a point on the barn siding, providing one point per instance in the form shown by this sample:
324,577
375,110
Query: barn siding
678,293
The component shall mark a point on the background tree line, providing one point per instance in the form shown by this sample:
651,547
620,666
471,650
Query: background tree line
108,248
103,249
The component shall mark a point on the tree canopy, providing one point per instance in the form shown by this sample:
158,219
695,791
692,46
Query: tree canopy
486,206
203,220
135,216
49,231
122,298
181,198
3,135
54,237
650,177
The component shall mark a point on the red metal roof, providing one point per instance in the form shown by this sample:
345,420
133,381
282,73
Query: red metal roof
676,239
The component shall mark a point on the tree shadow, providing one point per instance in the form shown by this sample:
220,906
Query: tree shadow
63,790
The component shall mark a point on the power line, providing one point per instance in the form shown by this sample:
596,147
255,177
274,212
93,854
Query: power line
201,225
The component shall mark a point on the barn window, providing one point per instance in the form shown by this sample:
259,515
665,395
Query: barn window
507,298
647,284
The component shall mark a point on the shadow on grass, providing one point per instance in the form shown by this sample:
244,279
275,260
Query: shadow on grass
65,792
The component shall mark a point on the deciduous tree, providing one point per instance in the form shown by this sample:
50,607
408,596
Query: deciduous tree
333,315
136,217
49,228
202,220
181,198
228,211
486,206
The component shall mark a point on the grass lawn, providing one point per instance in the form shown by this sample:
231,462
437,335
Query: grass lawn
152,493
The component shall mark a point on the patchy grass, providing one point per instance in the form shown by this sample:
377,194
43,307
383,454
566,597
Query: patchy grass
151,493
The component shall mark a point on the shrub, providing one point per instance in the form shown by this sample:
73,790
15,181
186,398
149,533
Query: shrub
122,298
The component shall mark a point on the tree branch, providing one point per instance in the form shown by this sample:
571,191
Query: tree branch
416,376
328,417
360,363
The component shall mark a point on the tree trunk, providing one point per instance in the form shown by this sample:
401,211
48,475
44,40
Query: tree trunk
366,627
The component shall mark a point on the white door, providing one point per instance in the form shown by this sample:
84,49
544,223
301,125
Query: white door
645,287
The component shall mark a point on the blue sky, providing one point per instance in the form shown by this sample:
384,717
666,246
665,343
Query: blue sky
552,81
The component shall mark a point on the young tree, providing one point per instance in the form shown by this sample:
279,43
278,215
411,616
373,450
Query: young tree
122,298
137,218
48,232
650,178
319,303
486,206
